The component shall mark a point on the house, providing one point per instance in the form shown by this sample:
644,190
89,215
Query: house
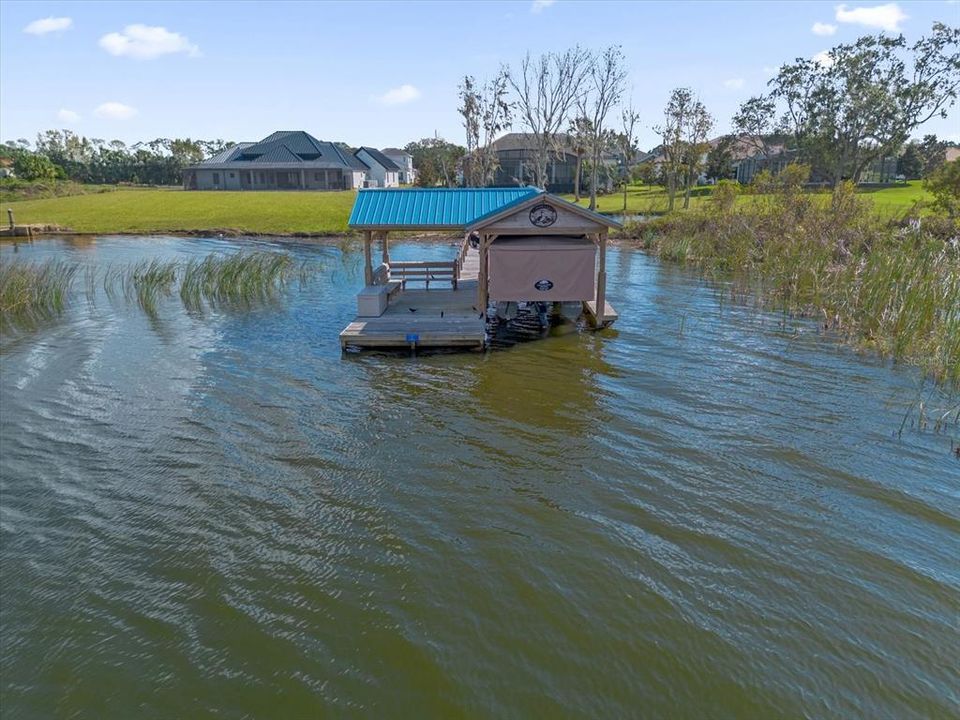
6,167
515,155
404,160
285,160
382,172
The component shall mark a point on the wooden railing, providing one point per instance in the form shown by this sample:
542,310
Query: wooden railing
426,272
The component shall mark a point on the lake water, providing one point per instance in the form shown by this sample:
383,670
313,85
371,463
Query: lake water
693,515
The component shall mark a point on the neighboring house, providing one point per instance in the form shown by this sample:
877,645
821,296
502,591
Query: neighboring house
952,153
382,171
285,160
6,167
515,154
403,160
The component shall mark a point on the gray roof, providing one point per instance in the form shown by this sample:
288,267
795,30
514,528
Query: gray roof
395,152
526,141
287,148
379,157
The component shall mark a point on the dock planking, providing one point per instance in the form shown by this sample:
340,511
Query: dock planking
439,317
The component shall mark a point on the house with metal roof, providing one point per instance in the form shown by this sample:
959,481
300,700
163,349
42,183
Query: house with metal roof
284,160
383,172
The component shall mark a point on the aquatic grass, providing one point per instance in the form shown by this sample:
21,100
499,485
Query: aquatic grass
238,280
891,286
33,292
149,280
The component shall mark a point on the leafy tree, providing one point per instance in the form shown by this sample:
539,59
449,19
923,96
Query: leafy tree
866,99
755,123
933,153
720,159
435,161
581,132
32,166
910,163
944,183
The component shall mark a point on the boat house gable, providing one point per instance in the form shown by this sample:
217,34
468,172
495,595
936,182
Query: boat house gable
542,214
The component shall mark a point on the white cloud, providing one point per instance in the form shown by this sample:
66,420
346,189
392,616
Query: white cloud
68,116
538,6
398,95
823,58
145,42
820,28
114,111
734,83
886,17
48,25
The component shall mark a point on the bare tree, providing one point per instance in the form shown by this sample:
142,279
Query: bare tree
605,80
547,89
627,143
486,112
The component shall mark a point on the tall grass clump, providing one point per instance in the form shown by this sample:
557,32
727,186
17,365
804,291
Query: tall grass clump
149,280
239,280
888,285
32,292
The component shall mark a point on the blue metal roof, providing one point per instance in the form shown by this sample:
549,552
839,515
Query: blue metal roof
430,207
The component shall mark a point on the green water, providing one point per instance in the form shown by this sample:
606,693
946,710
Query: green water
697,514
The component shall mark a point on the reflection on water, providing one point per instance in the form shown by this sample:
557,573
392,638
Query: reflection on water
693,515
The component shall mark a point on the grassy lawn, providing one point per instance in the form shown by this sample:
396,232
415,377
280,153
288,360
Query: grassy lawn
652,199
153,210
172,210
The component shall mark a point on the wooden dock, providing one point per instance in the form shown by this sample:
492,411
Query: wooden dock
609,314
438,317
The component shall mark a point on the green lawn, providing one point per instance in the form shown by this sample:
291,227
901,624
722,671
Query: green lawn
172,210
150,210
652,199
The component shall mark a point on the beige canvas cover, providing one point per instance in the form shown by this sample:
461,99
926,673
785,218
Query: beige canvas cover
542,268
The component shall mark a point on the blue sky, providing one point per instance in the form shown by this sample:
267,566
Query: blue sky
386,73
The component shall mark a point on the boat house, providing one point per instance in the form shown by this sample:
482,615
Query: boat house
519,245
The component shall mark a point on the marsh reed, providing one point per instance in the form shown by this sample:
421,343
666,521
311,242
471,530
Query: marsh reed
35,291
888,286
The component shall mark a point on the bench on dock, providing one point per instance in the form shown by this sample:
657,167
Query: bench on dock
425,272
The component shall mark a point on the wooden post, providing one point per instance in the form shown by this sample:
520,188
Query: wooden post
10,218
482,275
602,279
385,248
367,261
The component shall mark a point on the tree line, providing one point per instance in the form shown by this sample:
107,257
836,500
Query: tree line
837,113
65,155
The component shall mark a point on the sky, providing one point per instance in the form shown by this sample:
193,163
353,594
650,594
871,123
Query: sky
386,73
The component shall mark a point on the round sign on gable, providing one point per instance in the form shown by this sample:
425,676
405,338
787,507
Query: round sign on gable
543,285
543,215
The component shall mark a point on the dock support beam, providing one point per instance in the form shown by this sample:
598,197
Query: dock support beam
602,279
483,277
367,260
